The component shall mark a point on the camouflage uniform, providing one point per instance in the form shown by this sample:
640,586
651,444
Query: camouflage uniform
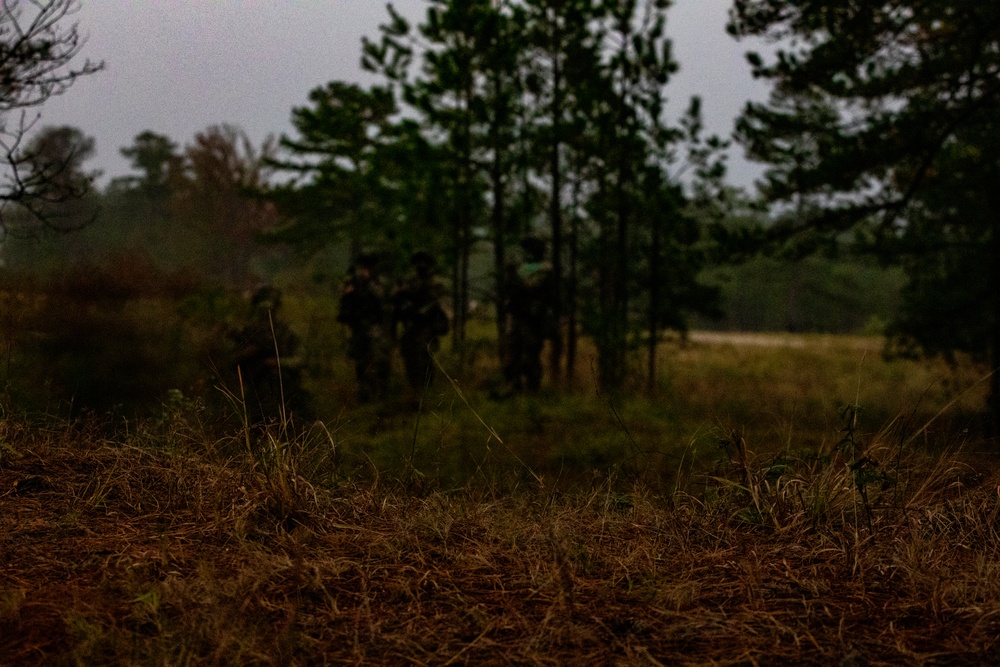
266,361
530,291
364,303
417,307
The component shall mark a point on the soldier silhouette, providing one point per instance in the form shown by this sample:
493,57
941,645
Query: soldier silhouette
530,293
266,361
417,308
365,309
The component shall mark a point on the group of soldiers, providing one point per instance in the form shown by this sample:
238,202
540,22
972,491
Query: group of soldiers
411,315
408,316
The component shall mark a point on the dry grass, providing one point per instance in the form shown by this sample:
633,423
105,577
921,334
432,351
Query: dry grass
166,547
789,390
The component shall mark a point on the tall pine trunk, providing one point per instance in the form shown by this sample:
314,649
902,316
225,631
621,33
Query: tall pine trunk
993,351
572,287
499,228
456,277
653,324
462,232
621,300
555,202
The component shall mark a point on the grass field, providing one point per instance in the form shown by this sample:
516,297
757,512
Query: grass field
780,500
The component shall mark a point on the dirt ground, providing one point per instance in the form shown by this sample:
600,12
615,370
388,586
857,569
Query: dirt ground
796,341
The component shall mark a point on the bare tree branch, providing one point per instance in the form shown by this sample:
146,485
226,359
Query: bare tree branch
37,47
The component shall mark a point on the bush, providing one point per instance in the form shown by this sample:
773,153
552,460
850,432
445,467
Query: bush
108,337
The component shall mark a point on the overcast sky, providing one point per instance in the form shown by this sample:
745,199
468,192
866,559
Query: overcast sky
177,67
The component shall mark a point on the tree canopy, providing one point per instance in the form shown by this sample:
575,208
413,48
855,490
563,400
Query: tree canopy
37,53
543,117
885,119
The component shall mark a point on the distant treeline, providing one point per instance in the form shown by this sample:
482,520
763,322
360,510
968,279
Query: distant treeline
816,294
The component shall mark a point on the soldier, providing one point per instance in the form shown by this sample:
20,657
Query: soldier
530,292
364,304
417,307
266,361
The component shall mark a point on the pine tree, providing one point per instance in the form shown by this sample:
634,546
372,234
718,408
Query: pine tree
562,60
886,118
336,187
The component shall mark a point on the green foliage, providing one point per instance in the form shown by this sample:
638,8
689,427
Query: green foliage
815,294
155,157
191,211
528,117
887,116
358,173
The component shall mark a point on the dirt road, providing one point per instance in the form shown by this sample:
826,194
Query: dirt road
873,343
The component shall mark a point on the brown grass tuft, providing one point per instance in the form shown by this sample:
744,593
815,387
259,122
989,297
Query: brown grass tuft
130,553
